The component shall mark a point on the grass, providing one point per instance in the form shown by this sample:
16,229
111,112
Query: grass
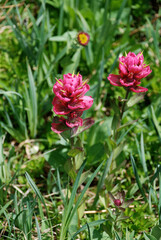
41,195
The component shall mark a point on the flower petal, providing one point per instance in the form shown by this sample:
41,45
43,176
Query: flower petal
127,82
114,79
138,89
59,107
81,104
58,125
74,122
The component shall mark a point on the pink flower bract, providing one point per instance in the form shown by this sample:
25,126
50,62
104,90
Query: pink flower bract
70,101
117,202
131,70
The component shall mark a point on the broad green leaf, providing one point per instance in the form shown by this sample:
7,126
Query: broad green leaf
55,158
149,237
135,99
156,232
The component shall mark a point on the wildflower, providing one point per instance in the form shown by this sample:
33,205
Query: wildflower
83,38
120,200
70,101
131,70
117,202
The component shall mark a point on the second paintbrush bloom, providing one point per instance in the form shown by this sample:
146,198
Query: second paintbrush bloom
131,70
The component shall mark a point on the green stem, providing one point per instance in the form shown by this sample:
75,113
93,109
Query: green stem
124,104
121,115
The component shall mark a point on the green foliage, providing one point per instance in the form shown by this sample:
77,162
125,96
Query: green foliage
57,195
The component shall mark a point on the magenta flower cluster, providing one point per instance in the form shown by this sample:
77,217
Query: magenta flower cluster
131,70
70,101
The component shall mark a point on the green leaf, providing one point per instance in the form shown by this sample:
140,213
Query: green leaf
91,224
31,102
155,122
135,99
143,161
102,178
149,237
159,205
75,151
137,177
96,153
38,229
155,40
5,207
118,150
115,121
10,93
75,62
126,124
55,158
34,188
117,236
156,232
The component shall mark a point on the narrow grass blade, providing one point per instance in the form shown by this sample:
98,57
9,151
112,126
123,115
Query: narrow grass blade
13,132
83,22
22,41
89,232
34,23
10,93
2,161
155,40
34,188
101,72
69,206
143,161
18,12
61,16
22,129
137,178
5,207
38,229
40,197
31,101
156,123
102,178
59,186
159,206
117,236
91,224
157,171
125,133
73,194
120,12
83,192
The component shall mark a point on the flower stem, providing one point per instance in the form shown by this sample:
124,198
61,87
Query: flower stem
124,104
121,115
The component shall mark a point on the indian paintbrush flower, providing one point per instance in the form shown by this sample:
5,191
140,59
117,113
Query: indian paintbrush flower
83,38
70,101
131,70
